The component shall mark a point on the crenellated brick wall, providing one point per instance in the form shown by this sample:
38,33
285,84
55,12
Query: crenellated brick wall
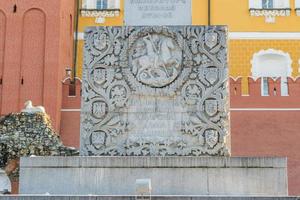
71,97
267,125
241,53
260,125
255,100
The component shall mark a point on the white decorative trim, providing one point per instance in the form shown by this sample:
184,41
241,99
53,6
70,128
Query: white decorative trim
256,65
270,15
279,8
255,4
272,63
71,110
90,9
235,78
264,35
294,78
69,78
92,4
80,36
264,109
297,7
277,4
100,15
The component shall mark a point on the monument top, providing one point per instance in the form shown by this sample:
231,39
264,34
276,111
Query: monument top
155,91
157,12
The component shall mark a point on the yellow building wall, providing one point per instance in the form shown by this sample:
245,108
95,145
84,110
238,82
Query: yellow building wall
235,14
199,12
109,21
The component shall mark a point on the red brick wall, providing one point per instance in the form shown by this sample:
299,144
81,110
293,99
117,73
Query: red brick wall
38,48
70,115
269,133
32,62
272,130
2,40
267,125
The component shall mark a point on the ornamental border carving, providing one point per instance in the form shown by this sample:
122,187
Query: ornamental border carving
200,87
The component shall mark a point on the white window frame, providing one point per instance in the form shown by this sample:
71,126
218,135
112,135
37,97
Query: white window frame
277,4
297,7
280,8
102,3
89,9
266,2
92,4
264,88
257,72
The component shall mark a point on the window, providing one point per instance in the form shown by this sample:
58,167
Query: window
101,4
284,86
267,4
270,9
264,86
100,9
297,7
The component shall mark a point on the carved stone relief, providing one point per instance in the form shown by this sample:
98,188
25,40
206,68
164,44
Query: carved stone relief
155,60
158,91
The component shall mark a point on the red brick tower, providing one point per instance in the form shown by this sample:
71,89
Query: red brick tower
36,43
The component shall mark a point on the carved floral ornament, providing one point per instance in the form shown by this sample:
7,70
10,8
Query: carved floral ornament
155,91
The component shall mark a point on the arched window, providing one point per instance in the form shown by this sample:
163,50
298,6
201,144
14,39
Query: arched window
272,63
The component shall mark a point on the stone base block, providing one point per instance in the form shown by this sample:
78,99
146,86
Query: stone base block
52,197
169,175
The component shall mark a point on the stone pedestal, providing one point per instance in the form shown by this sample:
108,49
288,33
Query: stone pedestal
152,91
169,175
94,197
5,184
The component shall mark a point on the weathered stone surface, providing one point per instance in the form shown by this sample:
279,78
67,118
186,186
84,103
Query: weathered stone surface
174,175
155,91
25,134
89,197
52,197
5,184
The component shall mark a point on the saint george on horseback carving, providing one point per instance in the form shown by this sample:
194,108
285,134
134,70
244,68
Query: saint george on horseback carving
156,60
